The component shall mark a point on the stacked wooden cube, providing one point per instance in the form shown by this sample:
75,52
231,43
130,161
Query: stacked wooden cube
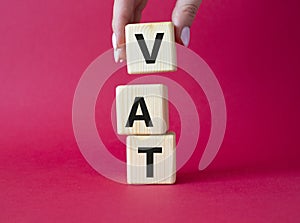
142,110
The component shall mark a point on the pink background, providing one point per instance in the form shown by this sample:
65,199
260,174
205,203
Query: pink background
253,48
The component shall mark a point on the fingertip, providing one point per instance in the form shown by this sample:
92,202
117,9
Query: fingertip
120,54
183,16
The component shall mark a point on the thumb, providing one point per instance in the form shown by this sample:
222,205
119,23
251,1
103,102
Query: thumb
183,16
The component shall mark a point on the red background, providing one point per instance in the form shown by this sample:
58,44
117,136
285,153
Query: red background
253,48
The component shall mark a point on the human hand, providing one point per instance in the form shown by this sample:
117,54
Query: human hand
130,11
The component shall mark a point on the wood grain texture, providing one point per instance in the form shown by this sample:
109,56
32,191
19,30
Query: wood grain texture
156,100
164,163
166,58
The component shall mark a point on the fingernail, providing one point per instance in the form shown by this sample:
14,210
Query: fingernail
117,55
114,41
185,36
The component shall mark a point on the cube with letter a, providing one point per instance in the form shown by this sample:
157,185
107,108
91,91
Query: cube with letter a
142,109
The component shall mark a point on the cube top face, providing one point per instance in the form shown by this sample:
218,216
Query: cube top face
150,48
142,109
151,159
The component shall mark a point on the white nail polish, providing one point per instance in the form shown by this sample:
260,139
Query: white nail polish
117,55
114,41
185,36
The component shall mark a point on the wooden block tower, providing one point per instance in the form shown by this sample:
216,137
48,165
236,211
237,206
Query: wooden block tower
142,110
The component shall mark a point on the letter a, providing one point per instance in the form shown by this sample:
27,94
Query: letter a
133,116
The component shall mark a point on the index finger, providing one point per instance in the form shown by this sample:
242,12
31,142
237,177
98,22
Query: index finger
123,12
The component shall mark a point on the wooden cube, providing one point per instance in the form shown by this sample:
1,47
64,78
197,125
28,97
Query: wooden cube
142,109
151,159
150,47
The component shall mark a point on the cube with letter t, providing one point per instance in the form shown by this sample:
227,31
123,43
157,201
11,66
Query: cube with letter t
150,47
151,159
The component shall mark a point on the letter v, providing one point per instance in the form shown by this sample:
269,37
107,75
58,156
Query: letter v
149,59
